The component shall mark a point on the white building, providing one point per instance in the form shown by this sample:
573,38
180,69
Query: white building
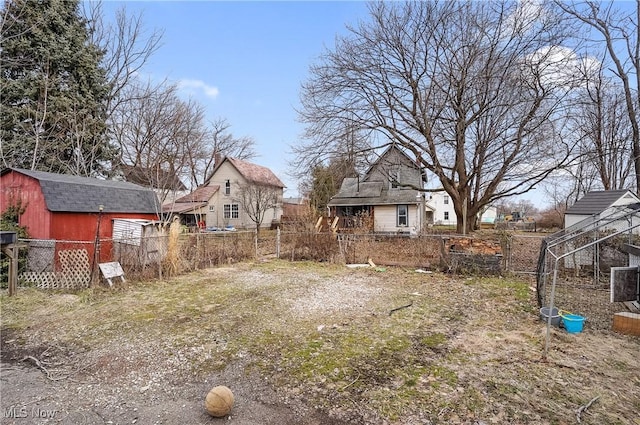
441,207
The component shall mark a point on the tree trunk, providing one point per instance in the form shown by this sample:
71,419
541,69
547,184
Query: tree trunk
466,216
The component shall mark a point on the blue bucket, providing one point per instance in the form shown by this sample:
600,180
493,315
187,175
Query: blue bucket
573,323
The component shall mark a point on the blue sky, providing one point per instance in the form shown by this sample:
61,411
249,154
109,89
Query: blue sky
245,61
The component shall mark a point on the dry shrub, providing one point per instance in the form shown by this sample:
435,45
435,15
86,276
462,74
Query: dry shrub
394,250
550,219
202,250
311,246
302,238
172,260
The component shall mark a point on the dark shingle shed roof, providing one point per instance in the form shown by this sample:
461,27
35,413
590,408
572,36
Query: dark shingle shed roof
596,201
67,193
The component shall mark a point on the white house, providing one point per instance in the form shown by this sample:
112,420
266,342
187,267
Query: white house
440,203
488,215
440,207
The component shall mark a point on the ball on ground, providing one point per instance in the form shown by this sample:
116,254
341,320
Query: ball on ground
219,401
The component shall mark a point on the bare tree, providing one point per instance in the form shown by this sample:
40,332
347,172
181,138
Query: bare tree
471,89
158,133
127,46
219,142
618,36
559,194
256,199
601,124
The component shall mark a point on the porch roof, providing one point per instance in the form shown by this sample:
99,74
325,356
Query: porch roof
399,197
182,207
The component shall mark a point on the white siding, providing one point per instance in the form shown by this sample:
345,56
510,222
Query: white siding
128,231
386,218
138,239
571,219
436,200
489,215
216,217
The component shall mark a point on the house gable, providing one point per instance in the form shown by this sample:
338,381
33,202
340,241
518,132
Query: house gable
192,203
598,204
16,188
251,173
230,176
391,180
396,168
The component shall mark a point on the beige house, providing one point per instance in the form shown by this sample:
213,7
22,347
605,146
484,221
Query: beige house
236,195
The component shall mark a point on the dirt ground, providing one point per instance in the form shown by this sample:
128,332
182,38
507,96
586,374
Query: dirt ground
29,397
303,343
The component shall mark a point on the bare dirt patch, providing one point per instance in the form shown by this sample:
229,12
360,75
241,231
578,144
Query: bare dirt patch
306,343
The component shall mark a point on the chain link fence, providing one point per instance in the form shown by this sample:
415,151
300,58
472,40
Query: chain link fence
581,267
51,264
521,252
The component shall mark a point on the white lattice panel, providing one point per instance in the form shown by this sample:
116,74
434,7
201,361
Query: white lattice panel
75,269
42,280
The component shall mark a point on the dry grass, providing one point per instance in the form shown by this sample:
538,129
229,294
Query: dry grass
461,350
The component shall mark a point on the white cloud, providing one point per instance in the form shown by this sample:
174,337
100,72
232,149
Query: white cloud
524,17
561,65
197,86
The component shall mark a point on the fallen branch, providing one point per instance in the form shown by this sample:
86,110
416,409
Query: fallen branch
564,365
400,308
350,383
44,369
584,408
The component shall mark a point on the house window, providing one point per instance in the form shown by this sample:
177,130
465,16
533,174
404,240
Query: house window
212,208
403,215
231,211
446,215
227,187
446,199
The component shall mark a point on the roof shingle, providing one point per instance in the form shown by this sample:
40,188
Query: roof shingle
596,201
201,194
256,174
67,193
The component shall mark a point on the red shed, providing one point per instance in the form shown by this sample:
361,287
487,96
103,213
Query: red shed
65,207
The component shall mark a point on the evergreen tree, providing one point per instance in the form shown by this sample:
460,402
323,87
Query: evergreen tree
52,90
326,181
